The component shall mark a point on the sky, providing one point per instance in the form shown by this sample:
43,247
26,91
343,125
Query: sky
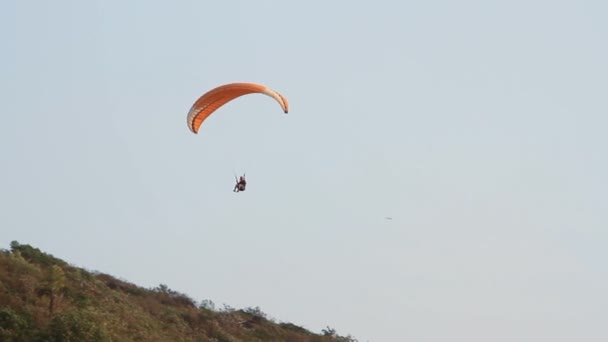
479,127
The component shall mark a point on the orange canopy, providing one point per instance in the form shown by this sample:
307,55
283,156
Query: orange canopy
215,98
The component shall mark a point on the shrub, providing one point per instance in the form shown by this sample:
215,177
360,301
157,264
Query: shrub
13,327
75,326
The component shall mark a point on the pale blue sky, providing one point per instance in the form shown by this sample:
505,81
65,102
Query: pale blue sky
478,126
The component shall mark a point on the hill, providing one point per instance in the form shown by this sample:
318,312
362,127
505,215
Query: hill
43,298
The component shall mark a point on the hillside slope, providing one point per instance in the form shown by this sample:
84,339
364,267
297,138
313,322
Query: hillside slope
43,298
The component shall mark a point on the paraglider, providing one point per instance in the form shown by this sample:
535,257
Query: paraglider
215,98
240,185
209,102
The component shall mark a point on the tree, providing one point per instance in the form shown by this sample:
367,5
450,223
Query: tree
336,337
207,304
257,312
53,286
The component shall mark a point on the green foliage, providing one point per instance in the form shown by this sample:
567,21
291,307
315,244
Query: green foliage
53,286
46,300
257,312
75,326
207,304
171,297
13,327
335,337
35,256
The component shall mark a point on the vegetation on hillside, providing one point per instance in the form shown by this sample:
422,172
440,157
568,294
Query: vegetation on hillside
43,298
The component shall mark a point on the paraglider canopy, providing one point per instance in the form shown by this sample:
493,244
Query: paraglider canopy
217,97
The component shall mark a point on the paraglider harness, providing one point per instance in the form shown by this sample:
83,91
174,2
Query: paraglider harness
240,184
